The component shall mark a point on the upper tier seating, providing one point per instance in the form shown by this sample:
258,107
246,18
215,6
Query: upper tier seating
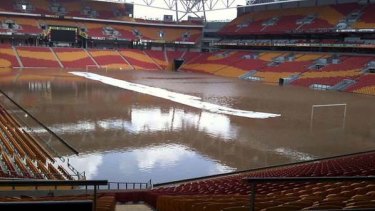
37,57
20,25
111,59
7,57
298,20
88,9
73,57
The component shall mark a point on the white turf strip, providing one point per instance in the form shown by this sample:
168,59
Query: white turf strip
189,100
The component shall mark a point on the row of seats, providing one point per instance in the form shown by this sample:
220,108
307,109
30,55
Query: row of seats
304,19
7,57
32,25
127,59
22,156
87,9
269,67
232,192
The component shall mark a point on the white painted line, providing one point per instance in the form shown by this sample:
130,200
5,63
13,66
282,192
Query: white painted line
189,100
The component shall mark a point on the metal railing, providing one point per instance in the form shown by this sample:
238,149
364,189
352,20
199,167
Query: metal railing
55,183
255,181
129,185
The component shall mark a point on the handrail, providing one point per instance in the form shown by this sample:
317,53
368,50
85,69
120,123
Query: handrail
37,183
131,185
259,180
41,124
52,182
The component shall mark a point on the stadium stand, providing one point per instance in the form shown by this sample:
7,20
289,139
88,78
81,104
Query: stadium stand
20,153
297,20
20,25
367,19
37,57
364,85
216,193
138,59
73,57
349,68
111,59
7,56
158,57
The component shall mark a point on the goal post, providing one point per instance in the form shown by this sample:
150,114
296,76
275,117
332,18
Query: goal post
96,67
314,107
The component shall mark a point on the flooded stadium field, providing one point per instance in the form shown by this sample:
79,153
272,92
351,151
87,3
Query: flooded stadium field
194,125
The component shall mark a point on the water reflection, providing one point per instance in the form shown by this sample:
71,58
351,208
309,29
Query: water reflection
159,163
128,136
151,120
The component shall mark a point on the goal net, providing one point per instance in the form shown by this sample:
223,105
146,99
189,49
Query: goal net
328,116
96,68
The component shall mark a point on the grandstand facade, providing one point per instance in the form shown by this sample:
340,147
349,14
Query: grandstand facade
316,44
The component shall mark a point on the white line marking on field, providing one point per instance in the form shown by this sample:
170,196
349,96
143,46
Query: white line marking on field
188,100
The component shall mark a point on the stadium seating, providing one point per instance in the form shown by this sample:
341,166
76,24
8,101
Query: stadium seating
37,57
20,152
349,68
367,20
73,57
220,192
22,25
158,57
364,85
139,60
7,56
286,20
111,59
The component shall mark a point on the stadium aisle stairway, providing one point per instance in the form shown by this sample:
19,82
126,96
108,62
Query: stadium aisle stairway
7,57
158,57
110,58
138,59
350,67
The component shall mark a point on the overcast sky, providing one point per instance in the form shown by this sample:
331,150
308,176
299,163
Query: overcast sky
145,12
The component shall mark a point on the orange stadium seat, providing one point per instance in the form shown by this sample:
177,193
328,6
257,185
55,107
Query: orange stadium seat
7,57
158,57
367,20
37,57
139,60
110,58
73,57
349,68
285,20
364,85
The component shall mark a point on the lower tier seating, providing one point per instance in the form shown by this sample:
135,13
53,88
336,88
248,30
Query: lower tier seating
111,59
37,57
73,57
7,57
